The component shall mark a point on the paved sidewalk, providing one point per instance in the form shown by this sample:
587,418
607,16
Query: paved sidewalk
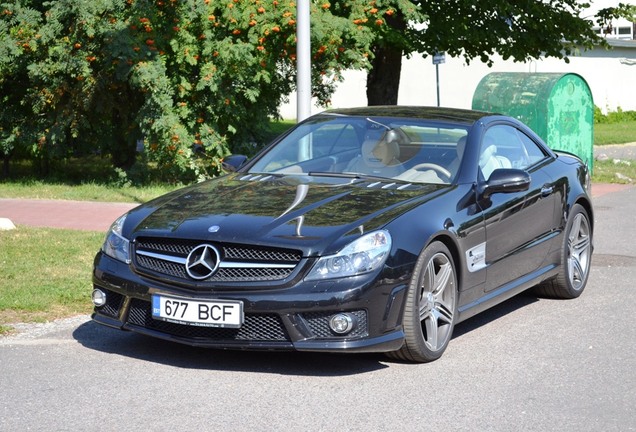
80,215
98,216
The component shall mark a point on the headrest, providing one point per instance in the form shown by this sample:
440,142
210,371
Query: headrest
490,151
381,153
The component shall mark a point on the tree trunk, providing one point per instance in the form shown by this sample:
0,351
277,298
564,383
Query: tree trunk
383,80
124,147
5,166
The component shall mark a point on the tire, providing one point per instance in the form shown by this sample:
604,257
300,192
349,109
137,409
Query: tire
431,306
576,258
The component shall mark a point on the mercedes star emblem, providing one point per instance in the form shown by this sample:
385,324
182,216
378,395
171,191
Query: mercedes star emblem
202,262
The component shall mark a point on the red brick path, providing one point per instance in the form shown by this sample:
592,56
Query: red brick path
81,215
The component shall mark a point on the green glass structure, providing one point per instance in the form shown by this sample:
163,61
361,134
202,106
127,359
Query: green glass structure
557,106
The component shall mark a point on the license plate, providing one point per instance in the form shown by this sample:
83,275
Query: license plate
214,313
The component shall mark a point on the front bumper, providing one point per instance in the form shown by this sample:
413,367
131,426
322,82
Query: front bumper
277,318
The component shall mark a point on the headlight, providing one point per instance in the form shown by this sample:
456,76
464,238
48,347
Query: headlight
360,256
115,245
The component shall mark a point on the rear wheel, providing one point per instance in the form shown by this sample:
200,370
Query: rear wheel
575,260
431,306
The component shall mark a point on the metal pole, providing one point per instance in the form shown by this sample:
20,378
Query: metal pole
437,80
303,61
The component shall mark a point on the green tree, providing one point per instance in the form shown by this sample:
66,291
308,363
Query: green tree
521,31
14,48
193,79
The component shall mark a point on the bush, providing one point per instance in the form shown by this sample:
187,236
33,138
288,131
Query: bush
612,117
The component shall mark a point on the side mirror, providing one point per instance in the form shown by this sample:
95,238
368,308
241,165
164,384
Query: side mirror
233,163
506,180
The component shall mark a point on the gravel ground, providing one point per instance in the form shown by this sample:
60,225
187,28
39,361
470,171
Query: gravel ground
615,151
26,331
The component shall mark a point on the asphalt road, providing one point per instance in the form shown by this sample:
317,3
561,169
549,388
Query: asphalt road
528,365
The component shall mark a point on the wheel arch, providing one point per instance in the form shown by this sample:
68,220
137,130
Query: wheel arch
447,239
587,205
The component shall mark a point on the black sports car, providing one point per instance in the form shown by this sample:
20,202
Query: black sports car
371,229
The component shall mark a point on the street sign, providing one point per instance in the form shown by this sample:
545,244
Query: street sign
439,58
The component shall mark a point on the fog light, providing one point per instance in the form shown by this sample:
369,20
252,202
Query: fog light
99,297
342,323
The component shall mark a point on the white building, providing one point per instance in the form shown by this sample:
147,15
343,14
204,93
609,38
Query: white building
611,75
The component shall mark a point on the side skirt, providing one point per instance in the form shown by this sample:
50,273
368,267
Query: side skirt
505,292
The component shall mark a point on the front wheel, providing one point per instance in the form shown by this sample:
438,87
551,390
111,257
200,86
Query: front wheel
431,306
575,260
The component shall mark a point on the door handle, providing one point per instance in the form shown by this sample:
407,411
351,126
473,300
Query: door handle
546,191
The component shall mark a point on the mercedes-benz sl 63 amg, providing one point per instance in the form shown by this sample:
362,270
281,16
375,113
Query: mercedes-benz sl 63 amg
371,229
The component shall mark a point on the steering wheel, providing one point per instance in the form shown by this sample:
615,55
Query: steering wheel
437,168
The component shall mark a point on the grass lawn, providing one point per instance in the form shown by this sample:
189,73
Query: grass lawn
45,274
85,179
615,133
41,189
610,172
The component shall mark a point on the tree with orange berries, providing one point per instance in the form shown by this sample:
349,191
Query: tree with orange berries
191,80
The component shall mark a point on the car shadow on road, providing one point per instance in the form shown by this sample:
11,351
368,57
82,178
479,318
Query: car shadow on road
509,306
128,344
133,345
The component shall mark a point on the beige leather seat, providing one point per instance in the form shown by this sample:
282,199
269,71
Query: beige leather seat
490,161
378,157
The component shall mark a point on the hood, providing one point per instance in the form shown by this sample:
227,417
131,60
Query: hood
307,213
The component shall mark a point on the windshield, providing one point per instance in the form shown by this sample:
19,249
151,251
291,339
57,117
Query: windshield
402,149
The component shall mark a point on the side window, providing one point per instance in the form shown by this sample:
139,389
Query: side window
534,153
499,148
504,146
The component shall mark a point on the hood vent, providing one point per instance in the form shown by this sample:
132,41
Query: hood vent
391,186
257,177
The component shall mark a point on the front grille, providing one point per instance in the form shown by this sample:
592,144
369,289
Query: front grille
161,266
239,263
256,328
251,275
261,254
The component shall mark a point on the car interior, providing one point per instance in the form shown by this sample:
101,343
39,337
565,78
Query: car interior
411,153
